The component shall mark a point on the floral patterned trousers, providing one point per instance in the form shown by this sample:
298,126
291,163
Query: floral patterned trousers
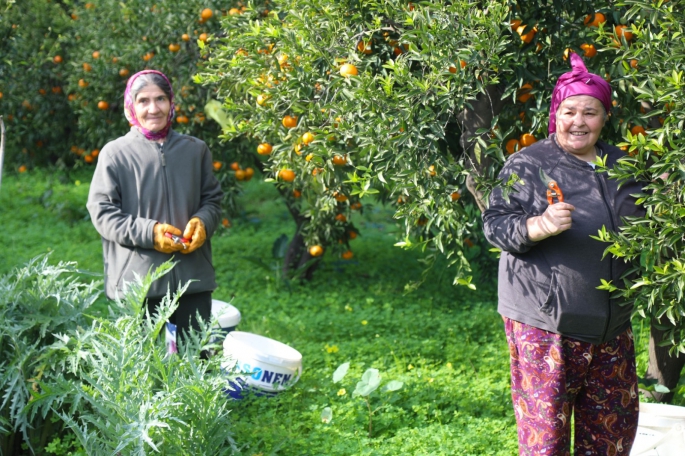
553,376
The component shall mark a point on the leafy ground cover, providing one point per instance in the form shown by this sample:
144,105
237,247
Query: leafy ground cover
445,344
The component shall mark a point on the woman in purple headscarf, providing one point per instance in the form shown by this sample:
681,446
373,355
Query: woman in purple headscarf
570,342
154,197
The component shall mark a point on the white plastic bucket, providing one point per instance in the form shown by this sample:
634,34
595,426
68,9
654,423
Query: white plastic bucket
227,315
263,364
660,431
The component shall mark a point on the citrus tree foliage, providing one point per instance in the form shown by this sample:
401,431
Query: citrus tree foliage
412,103
656,242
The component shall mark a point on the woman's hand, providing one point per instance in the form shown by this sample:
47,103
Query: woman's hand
196,232
556,219
162,243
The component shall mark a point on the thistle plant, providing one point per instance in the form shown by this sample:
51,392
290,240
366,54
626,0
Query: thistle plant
123,393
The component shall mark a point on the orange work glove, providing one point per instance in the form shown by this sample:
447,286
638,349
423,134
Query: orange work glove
162,243
196,232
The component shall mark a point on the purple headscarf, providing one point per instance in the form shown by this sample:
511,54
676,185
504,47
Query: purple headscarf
130,112
578,81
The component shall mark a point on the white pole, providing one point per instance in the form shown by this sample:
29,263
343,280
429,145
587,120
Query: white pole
2,146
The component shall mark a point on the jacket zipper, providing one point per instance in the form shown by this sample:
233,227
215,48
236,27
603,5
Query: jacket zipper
168,206
603,190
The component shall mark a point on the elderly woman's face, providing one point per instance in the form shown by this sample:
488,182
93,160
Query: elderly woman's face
152,107
579,122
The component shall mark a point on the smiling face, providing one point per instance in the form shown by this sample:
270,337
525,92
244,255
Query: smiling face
152,107
579,122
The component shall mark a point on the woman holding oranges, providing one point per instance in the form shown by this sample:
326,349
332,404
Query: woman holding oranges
570,342
154,197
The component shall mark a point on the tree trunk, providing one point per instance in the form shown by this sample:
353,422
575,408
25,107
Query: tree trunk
297,254
483,109
663,367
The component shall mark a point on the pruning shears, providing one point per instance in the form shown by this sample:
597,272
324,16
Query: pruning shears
553,190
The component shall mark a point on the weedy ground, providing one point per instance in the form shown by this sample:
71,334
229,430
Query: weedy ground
445,343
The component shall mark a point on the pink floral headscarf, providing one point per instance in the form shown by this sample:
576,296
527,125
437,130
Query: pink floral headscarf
578,81
130,112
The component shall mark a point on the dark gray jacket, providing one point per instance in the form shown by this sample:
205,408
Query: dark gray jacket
552,284
136,184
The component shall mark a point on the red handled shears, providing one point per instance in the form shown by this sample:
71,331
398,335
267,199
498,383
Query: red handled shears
553,190
177,239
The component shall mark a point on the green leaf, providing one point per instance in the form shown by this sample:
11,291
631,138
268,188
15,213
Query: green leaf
326,415
392,385
340,372
369,383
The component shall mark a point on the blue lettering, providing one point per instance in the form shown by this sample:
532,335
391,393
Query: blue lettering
268,377
278,378
247,368
286,378
257,373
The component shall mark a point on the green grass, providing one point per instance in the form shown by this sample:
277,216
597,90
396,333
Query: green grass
446,344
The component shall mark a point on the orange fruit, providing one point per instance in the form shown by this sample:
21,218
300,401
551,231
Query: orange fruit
341,218
233,11
455,196
289,121
262,99
524,92
182,119
42,91
103,105
217,165
307,138
297,193
147,57
638,130
96,54
431,170
240,175
203,37
94,153
124,72
206,14
316,250
594,19
356,205
347,255
462,64
309,157
622,32
87,67
235,166
173,47
352,234
364,48
348,70
340,160
633,63
22,169
185,37
513,145
57,59
528,36
287,175
249,172
88,159
339,197
515,24
264,149
452,69
226,223
589,50
527,139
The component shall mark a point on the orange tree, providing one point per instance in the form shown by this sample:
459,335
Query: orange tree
419,104
414,103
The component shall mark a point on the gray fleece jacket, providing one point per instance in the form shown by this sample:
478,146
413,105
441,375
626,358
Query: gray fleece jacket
552,284
137,184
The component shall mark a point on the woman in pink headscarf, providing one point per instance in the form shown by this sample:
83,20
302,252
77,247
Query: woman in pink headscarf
154,197
570,342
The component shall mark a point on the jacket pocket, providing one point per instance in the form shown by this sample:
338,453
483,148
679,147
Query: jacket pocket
120,273
550,301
